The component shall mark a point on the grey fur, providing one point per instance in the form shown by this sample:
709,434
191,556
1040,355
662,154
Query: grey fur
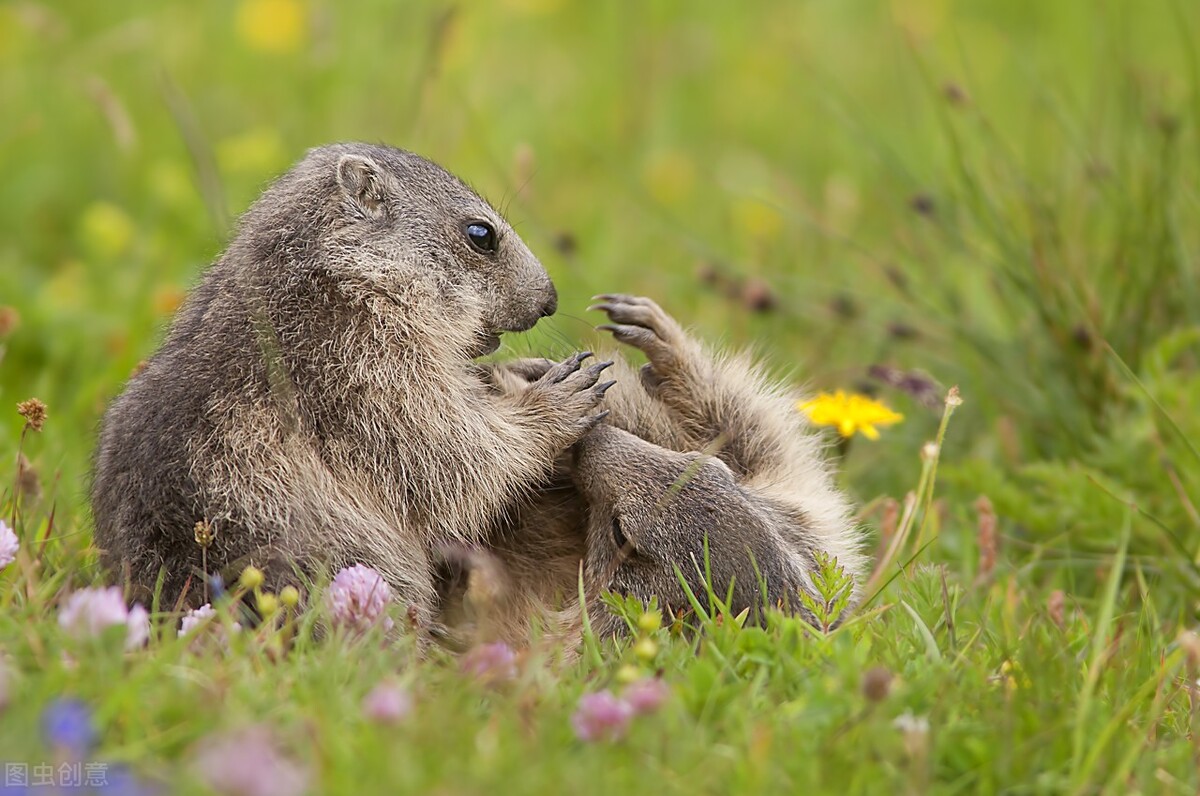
706,446
314,400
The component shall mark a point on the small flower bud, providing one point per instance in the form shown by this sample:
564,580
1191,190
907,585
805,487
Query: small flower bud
267,604
877,683
628,674
289,596
9,320
650,621
645,649
252,578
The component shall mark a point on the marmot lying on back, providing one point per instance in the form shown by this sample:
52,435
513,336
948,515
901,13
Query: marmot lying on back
638,495
314,401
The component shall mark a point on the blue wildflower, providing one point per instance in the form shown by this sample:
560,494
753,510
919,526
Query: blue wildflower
67,725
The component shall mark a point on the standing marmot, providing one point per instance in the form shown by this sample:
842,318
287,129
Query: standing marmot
314,401
637,499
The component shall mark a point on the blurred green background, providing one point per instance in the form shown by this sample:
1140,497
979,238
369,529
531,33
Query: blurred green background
975,193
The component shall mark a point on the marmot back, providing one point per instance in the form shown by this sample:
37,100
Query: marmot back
314,402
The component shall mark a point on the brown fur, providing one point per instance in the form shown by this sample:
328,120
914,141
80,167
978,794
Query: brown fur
315,401
764,498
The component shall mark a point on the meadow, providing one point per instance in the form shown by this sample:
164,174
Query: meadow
887,197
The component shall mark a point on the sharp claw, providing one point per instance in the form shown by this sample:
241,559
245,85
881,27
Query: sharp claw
606,327
603,386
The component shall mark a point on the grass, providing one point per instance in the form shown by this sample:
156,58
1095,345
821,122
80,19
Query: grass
995,195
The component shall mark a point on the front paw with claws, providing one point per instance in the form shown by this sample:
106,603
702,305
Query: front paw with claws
571,394
641,323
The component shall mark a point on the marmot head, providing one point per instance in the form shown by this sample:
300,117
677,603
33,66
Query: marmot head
373,220
650,511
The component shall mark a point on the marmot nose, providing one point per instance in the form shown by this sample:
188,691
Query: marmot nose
551,305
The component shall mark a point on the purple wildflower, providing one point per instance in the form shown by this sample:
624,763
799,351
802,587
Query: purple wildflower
602,717
137,627
248,762
358,599
87,613
388,703
67,726
646,695
203,625
491,663
9,544
195,618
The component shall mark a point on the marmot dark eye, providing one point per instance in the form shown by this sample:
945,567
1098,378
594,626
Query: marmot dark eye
619,538
482,237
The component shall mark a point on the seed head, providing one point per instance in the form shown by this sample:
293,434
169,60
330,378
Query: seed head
877,683
204,534
757,296
955,94
34,412
1056,605
922,204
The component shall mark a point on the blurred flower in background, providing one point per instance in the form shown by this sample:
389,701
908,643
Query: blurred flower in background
602,717
388,703
272,26
249,762
669,177
9,545
358,599
257,153
106,230
67,726
88,613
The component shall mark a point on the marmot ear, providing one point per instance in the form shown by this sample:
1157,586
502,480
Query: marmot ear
362,181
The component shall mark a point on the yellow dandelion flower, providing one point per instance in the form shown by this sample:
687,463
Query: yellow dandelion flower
669,177
849,413
106,230
757,218
271,26
256,153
